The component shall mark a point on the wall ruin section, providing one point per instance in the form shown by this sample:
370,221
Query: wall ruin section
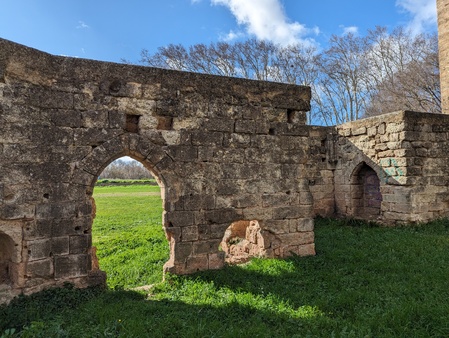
224,151
407,151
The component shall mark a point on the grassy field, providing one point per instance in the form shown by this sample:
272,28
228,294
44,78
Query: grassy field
365,281
127,231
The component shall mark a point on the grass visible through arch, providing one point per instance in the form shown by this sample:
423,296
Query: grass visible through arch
365,281
128,234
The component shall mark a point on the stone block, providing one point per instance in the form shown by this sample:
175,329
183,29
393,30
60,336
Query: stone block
184,153
70,266
245,126
217,231
41,268
306,250
277,226
288,212
95,119
359,131
182,250
179,218
204,231
197,263
216,260
205,247
80,244
39,249
301,225
189,234
220,216
223,125
60,245
202,138
298,238
283,199
56,210
14,211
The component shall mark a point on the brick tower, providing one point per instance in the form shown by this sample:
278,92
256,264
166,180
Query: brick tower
443,44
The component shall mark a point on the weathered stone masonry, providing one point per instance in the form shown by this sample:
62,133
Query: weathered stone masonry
223,149
233,158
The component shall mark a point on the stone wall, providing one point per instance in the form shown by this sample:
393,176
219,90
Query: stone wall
443,46
222,149
408,152
233,157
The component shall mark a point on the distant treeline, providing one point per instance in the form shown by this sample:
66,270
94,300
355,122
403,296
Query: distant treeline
129,170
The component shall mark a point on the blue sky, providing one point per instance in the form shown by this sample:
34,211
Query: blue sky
112,30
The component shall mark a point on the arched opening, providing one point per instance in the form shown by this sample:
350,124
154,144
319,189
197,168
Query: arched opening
242,241
365,192
6,255
129,242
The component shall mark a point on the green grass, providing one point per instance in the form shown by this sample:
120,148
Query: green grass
127,231
365,281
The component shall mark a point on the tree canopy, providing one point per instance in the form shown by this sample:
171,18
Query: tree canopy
354,77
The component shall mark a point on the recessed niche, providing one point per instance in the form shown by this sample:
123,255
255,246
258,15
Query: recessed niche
132,123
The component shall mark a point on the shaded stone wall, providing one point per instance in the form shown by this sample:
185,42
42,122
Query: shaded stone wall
408,151
222,149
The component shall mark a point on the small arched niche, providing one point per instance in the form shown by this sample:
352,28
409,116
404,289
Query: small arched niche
365,192
6,258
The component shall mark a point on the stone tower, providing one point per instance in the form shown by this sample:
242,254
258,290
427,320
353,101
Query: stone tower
443,43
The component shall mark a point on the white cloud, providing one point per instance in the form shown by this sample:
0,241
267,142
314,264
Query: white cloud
266,20
350,30
423,12
82,25
195,1
231,36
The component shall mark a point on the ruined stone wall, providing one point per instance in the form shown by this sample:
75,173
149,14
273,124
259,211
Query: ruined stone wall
408,153
233,157
443,46
222,149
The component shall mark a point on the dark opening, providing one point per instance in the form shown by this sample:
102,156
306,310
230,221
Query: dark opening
290,115
366,195
132,123
6,252
164,123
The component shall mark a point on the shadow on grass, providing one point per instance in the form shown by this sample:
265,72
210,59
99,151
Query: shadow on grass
102,313
365,281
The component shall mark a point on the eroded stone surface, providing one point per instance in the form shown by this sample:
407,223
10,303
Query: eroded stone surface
222,149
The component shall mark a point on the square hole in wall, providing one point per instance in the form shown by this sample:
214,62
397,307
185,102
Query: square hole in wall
132,123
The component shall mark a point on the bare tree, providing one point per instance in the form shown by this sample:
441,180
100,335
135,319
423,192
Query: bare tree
353,78
404,72
341,86
126,170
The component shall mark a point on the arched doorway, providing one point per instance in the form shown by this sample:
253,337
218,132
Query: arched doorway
365,192
129,243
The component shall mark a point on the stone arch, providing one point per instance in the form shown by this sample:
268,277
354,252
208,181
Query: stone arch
366,196
7,253
139,148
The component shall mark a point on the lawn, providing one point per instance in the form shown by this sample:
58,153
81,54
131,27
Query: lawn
127,231
365,281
